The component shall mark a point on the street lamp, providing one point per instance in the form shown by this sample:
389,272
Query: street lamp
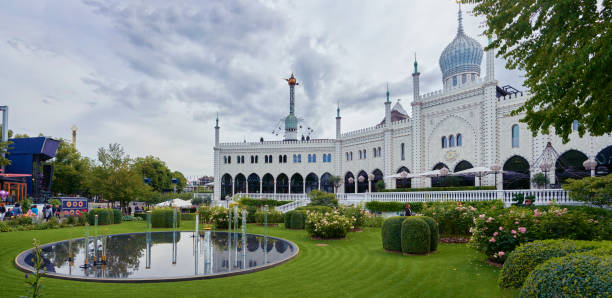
590,164
370,178
495,168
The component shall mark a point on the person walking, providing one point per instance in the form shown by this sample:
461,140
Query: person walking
407,210
2,211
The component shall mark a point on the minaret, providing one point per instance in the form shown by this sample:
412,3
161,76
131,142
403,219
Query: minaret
417,123
490,62
217,131
338,149
217,163
388,109
291,120
338,118
74,129
415,80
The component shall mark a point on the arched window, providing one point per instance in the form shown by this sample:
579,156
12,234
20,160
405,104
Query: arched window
360,154
575,125
374,149
294,158
515,136
309,158
351,155
455,81
256,158
459,140
463,78
314,158
451,141
280,159
347,156
299,158
229,159
329,157
444,142
266,159
364,154
473,77
403,151
284,158
379,155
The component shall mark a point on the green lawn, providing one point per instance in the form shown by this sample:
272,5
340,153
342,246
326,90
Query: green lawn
356,267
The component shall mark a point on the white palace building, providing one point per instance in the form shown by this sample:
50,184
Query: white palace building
465,124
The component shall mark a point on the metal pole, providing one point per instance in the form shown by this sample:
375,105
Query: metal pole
5,111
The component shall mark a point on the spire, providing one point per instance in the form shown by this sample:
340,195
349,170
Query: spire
338,110
217,120
387,91
460,19
415,64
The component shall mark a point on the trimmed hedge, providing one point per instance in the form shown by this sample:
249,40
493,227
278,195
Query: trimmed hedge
287,219
575,275
105,216
376,206
260,202
433,228
117,216
142,215
295,219
416,236
187,216
449,188
162,218
526,257
273,216
391,233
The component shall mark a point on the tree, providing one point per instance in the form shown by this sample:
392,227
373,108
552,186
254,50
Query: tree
594,190
70,170
4,147
540,180
335,181
115,179
565,49
182,181
156,170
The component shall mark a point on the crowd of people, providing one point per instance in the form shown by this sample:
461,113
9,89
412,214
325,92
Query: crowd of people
45,212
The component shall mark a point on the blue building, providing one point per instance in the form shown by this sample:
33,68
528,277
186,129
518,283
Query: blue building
27,156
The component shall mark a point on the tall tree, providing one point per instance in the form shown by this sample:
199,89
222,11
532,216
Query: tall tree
156,171
182,181
70,170
565,49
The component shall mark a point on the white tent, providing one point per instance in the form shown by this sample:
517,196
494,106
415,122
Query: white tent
399,176
434,173
175,203
477,172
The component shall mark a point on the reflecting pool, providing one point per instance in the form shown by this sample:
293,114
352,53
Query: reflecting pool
160,256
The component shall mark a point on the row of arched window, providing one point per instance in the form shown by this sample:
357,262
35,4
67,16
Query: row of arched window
327,157
268,158
452,141
363,154
377,152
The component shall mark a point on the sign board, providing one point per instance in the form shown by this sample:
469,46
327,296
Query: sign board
74,206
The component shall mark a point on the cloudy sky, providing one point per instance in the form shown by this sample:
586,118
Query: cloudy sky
151,75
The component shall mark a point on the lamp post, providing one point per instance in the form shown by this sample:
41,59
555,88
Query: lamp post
351,181
495,168
590,165
444,172
370,178
545,167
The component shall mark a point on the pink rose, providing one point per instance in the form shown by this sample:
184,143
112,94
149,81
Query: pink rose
514,236
490,219
492,240
522,230
495,256
501,253
495,234
516,222
549,202
482,216
513,232
501,229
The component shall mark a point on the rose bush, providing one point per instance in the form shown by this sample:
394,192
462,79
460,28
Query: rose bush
328,225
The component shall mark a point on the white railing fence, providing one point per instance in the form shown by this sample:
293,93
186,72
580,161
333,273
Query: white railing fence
542,196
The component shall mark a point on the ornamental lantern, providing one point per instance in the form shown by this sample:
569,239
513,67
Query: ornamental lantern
495,168
444,171
360,179
351,180
404,174
371,177
589,164
545,166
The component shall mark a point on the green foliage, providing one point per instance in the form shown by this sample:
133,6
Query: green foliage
105,216
26,204
71,171
335,181
273,216
433,229
181,180
415,235
218,216
448,188
156,170
527,256
391,233
380,185
575,275
4,147
295,219
453,218
82,219
130,218
55,202
4,227
187,216
330,225
593,190
245,201
357,214
163,218
373,221
34,284
251,210
287,219
117,216
376,206
197,201
321,198
540,180
564,49
320,209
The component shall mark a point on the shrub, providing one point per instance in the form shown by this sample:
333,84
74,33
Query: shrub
218,216
527,256
433,229
4,227
187,216
105,216
321,198
357,214
82,219
415,235
55,202
376,206
273,216
328,225
117,216
540,180
71,220
287,219
142,215
163,218
53,222
251,210
130,218
391,233
373,221
313,208
593,190
298,219
245,201
575,275
453,218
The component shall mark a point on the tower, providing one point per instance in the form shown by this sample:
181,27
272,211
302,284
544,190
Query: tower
74,129
217,131
338,148
388,142
291,120
490,62
387,109
417,124
216,163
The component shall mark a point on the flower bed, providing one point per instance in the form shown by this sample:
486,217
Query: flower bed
329,225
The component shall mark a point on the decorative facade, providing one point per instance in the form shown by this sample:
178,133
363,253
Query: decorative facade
466,124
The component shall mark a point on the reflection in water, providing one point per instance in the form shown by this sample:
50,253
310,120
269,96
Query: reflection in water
166,255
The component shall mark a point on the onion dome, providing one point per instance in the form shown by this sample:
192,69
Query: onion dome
462,55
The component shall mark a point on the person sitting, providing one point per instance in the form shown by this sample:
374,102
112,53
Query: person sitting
17,210
408,211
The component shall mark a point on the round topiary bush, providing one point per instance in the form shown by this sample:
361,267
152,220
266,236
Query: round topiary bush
298,219
416,236
435,235
391,233
163,218
529,255
575,275
287,219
